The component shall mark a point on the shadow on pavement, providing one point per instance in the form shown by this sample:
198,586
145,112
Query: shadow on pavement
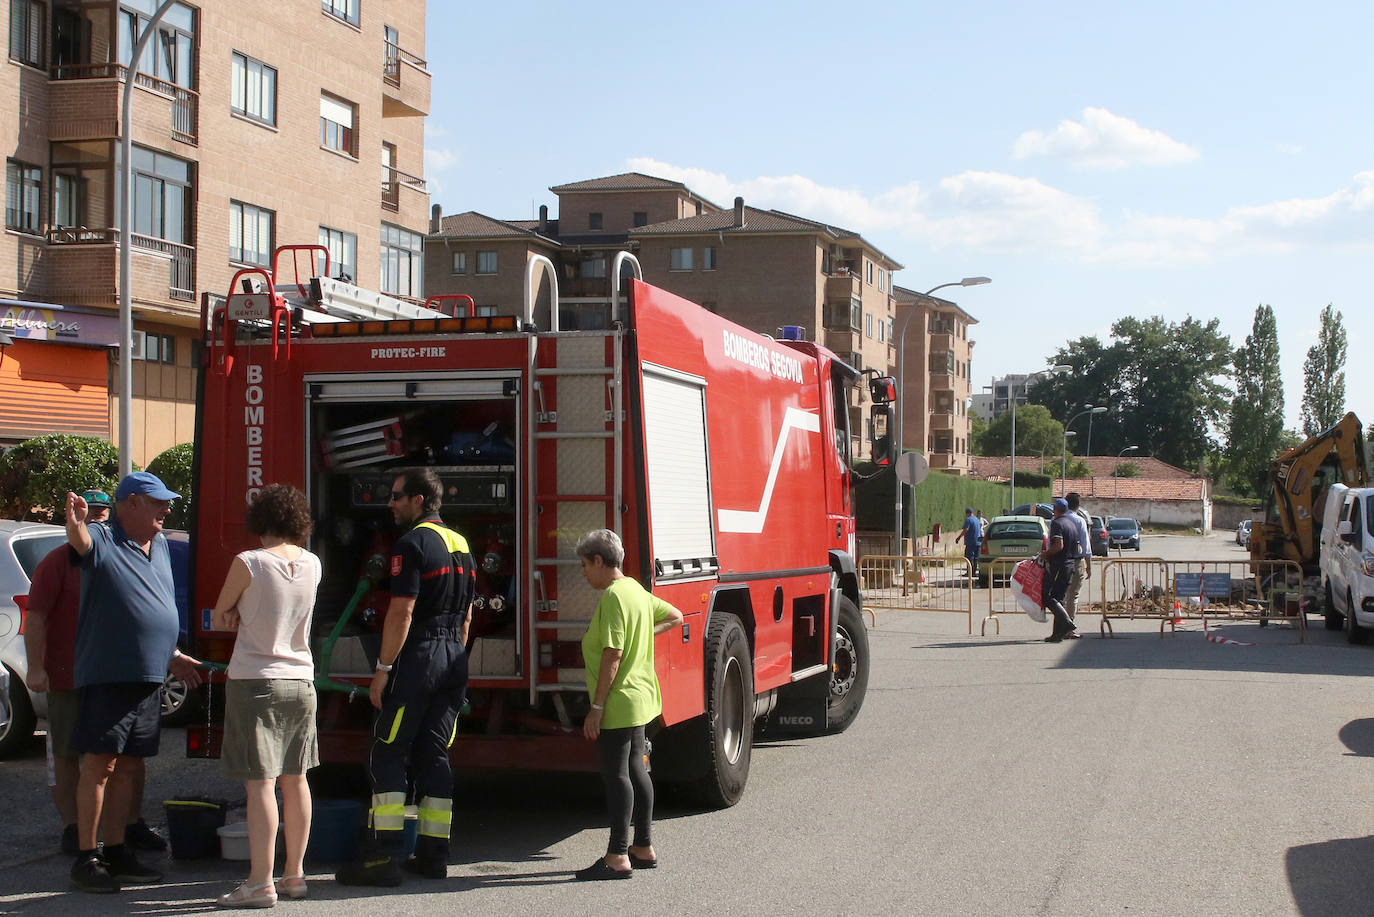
1333,878
1358,736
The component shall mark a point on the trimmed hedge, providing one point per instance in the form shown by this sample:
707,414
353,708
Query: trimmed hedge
939,498
36,475
174,468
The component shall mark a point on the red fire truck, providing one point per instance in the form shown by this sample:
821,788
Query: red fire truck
721,456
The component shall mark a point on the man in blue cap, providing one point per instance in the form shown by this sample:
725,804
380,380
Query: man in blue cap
1059,559
972,536
126,640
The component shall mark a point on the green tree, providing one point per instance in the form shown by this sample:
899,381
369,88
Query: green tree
1126,470
1323,396
37,474
1256,423
1034,429
977,427
174,468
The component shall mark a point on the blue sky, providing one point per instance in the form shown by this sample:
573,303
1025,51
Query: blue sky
1095,160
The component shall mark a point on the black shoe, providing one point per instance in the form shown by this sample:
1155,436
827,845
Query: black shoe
599,871
1054,638
1073,635
90,874
429,867
140,836
642,862
126,869
71,844
379,869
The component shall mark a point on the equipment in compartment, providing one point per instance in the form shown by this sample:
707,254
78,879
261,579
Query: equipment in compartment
363,444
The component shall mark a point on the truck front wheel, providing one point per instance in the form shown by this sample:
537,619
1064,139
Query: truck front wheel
1354,633
724,739
849,679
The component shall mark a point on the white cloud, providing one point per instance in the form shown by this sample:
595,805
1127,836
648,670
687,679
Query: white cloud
438,160
1103,140
1002,212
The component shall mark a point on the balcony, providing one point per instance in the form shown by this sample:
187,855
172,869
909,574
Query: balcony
947,461
85,267
843,283
394,182
941,382
85,99
406,81
940,341
941,422
843,341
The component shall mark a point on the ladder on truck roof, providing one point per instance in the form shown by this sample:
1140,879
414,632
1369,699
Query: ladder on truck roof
577,422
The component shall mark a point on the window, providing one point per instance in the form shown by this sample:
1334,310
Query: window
162,206
868,270
708,258
250,234
347,10
485,311
856,310
343,253
593,267
27,31
460,262
891,335
641,218
868,324
253,92
171,56
159,348
23,194
680,259
882,330
882,279
486,262
593,220
336,125
402,261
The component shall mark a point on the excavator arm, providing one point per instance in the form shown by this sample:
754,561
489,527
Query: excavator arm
1298,481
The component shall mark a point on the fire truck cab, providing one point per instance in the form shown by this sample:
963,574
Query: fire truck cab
721,456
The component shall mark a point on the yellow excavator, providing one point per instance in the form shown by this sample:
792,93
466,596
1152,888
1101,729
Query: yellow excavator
1299,479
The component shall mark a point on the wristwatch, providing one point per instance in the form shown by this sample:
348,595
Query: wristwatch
383,668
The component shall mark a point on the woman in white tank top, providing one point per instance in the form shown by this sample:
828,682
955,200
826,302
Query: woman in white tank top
269,707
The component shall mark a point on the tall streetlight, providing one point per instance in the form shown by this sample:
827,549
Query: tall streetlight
1088,446
1052,371
901,380
1063,461
1116,477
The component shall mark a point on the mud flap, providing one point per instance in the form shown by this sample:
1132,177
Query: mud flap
802,707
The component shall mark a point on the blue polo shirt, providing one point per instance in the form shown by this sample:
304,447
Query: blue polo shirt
128,626
973,534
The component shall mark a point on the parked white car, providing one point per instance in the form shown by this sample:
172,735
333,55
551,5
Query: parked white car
1347,560
22,546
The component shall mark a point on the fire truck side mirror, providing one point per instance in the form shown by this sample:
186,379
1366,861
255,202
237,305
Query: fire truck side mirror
880,433
882,389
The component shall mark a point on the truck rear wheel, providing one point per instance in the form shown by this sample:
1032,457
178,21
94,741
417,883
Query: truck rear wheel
1354,633
1334,619
849,679
722,742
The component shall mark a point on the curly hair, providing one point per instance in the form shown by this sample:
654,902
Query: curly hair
280,510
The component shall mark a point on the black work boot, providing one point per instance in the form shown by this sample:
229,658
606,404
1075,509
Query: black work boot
379,865
125,867
90,874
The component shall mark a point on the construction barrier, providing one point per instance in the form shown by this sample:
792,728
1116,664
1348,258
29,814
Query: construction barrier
939,584
997,574
1206,590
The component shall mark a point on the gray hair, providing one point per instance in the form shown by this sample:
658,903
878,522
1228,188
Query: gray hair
602,543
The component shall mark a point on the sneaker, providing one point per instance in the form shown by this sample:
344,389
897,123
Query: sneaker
141,836
90,874
429,867
126,868
379,869
70,845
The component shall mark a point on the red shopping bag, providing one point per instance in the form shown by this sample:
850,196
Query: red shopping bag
1027,582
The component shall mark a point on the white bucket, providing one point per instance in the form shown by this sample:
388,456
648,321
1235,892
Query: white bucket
233,842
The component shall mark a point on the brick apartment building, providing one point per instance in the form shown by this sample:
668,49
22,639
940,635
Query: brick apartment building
254,124
935,398
762,268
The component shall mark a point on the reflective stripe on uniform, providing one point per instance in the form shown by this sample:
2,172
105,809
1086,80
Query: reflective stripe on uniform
395,725
435,816
388,812
454,734
455,543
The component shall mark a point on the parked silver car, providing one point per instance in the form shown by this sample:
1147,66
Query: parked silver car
1243,533
22,546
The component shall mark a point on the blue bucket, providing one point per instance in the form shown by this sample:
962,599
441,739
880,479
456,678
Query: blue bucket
334,827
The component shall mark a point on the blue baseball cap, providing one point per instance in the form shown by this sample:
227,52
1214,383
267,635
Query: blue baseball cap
1061,505
141,482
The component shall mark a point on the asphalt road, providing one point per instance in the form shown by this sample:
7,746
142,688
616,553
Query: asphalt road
986,775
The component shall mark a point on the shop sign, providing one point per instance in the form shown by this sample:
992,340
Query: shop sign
38,323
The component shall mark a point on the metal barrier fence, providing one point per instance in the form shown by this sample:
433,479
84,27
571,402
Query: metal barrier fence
997,573
939,584
1174,590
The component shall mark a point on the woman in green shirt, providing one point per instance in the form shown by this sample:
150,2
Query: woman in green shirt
618,651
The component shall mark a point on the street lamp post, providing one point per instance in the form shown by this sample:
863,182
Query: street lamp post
901,390
1117,477
1052,371
1064,459
1088,446
1090,411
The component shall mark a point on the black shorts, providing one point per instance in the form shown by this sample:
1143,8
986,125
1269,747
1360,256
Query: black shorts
119,719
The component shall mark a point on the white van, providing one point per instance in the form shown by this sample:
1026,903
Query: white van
1347,560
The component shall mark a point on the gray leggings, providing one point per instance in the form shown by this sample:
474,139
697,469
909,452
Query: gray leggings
629,791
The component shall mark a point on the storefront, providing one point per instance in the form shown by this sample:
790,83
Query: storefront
54,378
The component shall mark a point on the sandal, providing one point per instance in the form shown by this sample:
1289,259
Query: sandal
599,871
250,896
296,889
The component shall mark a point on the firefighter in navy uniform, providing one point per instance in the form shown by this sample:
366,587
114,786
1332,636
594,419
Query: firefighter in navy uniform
422,672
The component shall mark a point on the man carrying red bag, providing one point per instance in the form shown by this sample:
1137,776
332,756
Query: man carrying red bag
1060,559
